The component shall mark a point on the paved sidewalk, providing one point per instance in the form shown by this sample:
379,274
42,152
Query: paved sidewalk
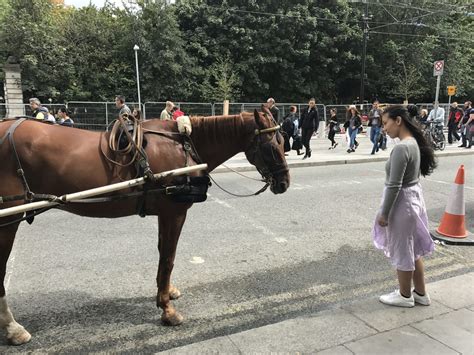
321,155
365,327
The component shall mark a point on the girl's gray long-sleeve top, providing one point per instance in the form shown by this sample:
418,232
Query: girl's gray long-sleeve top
401,170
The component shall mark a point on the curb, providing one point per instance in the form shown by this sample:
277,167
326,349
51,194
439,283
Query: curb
247,167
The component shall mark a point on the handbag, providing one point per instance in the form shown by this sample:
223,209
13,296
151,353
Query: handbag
336,128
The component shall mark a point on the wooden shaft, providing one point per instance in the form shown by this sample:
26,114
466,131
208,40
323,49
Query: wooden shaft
97,191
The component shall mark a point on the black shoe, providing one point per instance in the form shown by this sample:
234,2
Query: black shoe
305,156
335,145
468,147
462,146
299,153
372,153
309,153
349,150
356,145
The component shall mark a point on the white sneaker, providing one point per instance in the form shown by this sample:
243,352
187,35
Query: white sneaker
424,300
396,299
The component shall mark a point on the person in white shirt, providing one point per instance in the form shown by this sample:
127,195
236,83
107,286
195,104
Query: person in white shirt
437,115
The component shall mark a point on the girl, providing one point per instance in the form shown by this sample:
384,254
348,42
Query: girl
354,121
401,226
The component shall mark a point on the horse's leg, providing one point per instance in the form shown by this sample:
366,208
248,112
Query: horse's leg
170,225
16,334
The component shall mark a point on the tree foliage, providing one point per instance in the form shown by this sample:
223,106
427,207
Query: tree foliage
208,50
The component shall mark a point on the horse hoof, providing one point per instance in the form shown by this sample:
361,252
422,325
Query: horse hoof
174,320
174,293
19,336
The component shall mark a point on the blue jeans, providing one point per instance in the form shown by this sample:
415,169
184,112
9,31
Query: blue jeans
353,135
374,138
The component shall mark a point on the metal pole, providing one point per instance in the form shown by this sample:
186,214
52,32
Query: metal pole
136,48
446,116
438,82
365,18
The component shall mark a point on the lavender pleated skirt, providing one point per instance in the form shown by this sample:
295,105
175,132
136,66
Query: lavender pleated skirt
406,238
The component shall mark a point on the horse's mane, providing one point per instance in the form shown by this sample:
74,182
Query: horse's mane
220,128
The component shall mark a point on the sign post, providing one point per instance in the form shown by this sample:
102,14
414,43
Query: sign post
438,69
451,92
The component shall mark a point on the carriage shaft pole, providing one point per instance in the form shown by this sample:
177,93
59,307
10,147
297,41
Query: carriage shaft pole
97,191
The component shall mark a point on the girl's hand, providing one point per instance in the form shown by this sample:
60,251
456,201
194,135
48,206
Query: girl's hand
382,221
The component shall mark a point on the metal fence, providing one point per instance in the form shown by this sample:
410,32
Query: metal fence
98,115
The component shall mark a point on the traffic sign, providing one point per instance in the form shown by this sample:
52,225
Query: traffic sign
438,68
451,90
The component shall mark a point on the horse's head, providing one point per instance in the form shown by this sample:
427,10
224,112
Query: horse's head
267,153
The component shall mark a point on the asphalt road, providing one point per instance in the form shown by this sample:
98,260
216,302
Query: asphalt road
88,285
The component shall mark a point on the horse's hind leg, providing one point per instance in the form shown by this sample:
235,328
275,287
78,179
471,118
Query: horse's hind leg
170,225
16,334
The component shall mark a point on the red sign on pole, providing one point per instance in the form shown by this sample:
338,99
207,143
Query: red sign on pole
438,68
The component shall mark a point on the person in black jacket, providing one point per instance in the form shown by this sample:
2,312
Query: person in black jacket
309,125
274,110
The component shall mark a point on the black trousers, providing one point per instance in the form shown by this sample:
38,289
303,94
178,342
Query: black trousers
331,135
453,131
306,134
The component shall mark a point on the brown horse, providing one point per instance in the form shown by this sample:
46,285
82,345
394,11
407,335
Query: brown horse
58,160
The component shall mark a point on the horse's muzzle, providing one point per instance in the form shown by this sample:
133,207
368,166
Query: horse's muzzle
280,183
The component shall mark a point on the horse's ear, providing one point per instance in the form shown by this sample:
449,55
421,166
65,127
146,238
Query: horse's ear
258,119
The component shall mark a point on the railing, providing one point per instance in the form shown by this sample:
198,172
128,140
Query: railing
98,115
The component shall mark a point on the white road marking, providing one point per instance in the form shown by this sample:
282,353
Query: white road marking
197,260
448,183
222,203
281,240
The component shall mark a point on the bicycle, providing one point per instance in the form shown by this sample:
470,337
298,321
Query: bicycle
435,136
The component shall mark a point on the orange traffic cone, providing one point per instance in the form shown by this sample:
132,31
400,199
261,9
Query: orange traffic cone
453,223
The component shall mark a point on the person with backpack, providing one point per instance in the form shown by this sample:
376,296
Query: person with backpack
288,128
39,112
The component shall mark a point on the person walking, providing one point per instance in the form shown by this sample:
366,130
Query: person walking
64,119
455,115
120,104
333,127
309,125
470,129
288,128
39,111
375,123
274,110
401,225
167,113
353,123
462,125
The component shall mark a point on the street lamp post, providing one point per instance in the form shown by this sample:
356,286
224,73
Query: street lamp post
136,48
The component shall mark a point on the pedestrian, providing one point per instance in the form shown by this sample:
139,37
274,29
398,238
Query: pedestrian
309,125
436,115
64,119
462,125
39,111
375,123
455,115
470,129
166,114
352,124
423,116
274,110
333,127
297,141
177,113
288,128
120,104
137,113
401,225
